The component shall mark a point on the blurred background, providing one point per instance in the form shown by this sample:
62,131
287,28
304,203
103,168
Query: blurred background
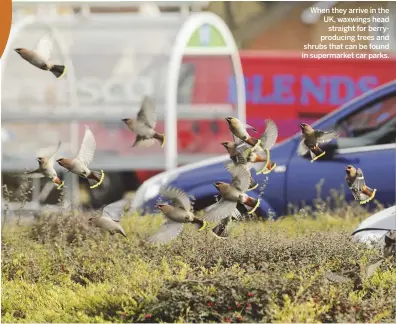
117,52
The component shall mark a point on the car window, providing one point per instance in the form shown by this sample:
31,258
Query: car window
374,124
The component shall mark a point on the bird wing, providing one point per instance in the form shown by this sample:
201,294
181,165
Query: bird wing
247,126
51,158
325,137
147,113
87,149
302,148
178,197
240,177
167,232
44,48
242,154
220,210
336,277
143,141
268,138
35,174
359,182
237,140
116,210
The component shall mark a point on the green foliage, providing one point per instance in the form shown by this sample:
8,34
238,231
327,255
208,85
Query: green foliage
62,270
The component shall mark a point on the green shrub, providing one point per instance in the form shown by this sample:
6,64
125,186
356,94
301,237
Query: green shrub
62,270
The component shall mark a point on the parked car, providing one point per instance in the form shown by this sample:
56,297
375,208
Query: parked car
367,127
374,228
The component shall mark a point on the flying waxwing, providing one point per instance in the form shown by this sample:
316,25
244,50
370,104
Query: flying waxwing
46,169
40,56
268,140
238,130
111,217
389,250
79,165
231,194
144,125
177,214
311,139
356,183
239,156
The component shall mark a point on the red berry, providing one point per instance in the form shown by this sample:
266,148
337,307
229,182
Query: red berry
210,304
147,316
227,319
250,294
229,307
239,318
248,305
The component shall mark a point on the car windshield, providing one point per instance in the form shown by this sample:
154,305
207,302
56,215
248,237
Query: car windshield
374,124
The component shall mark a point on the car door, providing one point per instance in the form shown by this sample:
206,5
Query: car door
367,141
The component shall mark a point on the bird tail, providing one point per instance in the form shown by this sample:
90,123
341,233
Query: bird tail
160,138
253,142
221,229
59,182
201,223
253,184
316,153
58,70
95,179
251,202
368,192
269,167
122,232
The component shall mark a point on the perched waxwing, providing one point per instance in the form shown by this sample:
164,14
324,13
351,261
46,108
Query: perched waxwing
177,214
238,130
144,125
268,140
79,164
46,169
355,180
310,140
231,194
239,156
40,56
111,217
390,244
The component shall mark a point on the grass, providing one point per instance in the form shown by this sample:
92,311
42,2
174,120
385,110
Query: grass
61,270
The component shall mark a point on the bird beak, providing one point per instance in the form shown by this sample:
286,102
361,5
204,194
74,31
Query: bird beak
215,184
224,144
38,160
228,119
125,120
302,126
158,206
